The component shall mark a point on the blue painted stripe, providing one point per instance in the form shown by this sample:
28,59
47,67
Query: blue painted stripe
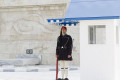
93,18
86,18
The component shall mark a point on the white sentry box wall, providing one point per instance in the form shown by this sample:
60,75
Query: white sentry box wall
98,61
117,53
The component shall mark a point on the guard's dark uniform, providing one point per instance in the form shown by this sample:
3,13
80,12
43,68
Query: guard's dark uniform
64,47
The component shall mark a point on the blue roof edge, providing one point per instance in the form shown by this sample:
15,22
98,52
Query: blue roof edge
88,18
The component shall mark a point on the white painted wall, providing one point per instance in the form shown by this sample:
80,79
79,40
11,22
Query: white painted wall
117,53
97,61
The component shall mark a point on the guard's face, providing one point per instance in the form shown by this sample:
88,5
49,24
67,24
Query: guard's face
64,31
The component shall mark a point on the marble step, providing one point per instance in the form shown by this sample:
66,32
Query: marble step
31,69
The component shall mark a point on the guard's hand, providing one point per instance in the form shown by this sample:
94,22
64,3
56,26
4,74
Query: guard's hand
69,56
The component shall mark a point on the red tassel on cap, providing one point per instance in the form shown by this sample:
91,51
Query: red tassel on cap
63,27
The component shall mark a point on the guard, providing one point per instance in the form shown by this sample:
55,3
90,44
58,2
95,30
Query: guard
64,52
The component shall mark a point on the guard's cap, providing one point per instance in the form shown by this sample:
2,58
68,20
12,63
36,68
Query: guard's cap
63,27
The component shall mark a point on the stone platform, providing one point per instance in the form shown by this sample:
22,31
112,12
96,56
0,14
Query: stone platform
37,68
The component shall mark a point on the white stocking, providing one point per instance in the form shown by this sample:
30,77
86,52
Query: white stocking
62,68
66,63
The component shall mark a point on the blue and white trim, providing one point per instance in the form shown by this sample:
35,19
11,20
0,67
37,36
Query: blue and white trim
54,20
63,22
75,21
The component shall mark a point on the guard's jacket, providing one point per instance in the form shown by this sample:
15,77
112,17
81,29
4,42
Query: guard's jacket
64,47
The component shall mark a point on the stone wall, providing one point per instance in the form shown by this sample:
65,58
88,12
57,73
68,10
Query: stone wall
24,26
31,2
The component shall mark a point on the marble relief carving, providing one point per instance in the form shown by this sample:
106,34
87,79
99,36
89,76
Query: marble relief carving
28,29
33,24
31,30
30,25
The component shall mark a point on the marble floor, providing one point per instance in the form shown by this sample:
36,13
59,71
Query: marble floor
47,75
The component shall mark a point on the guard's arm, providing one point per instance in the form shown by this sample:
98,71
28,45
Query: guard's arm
57,47
70,45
